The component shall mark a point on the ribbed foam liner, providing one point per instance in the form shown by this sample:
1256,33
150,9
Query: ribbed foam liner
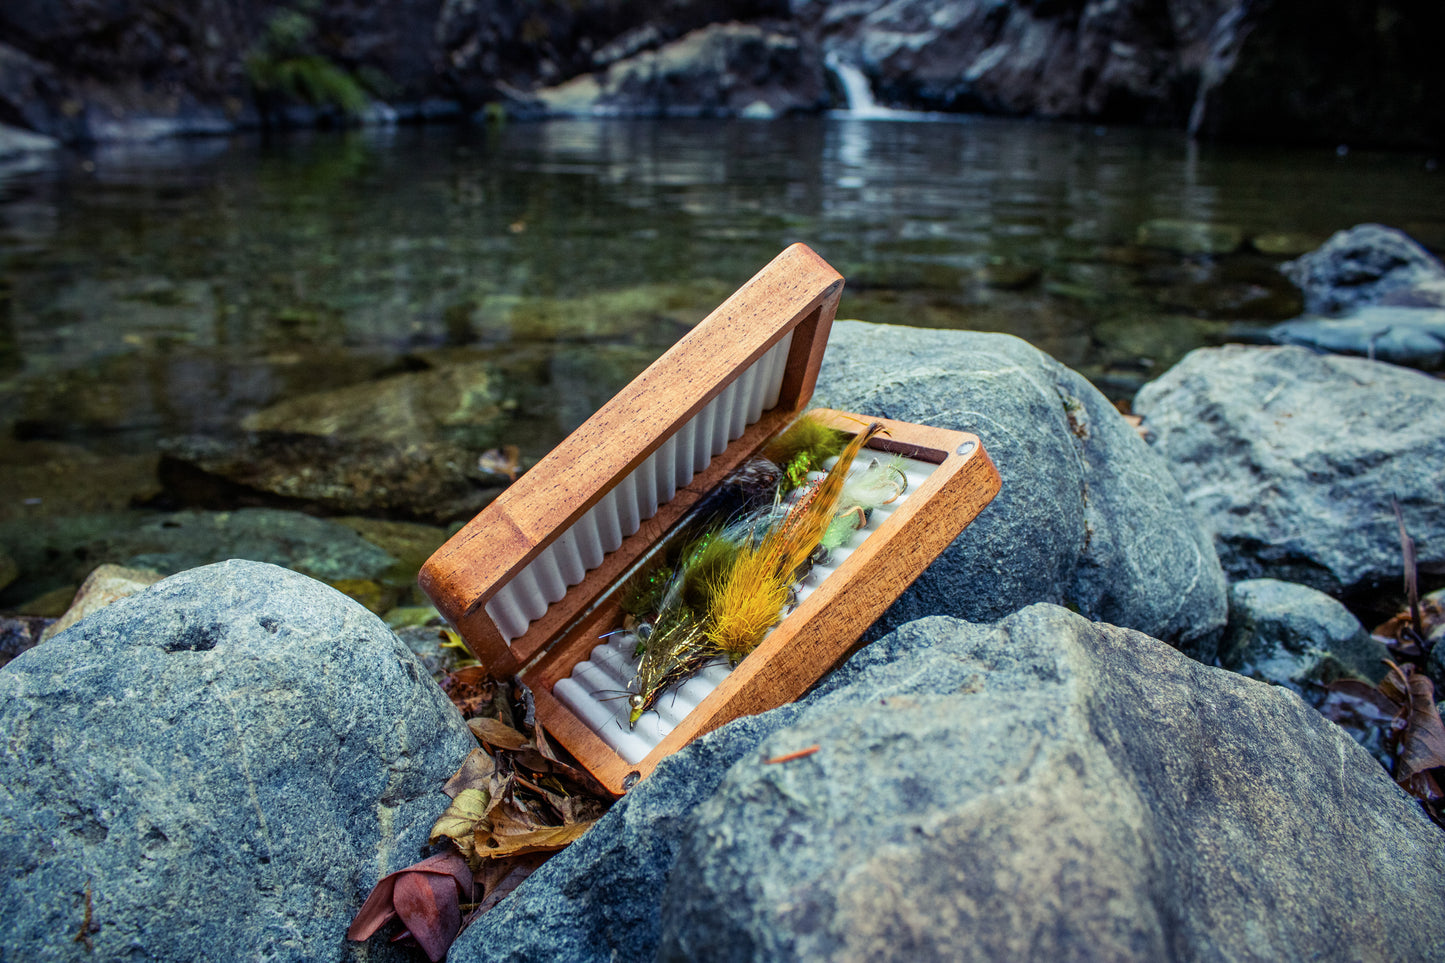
598,689
638,496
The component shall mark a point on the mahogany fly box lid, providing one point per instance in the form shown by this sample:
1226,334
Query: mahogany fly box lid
535,583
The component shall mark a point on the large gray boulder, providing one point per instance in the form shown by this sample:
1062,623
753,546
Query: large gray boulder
1051,788
1040,788
1292,459
1088,516
220,767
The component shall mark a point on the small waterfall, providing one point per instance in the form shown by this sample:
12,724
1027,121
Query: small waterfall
857,91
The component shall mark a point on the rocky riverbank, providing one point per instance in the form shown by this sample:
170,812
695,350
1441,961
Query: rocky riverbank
140,69
1086,732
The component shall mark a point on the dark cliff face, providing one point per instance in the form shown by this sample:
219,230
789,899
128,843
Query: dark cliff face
1263,70
60,61
1328,70
1133,61
523,45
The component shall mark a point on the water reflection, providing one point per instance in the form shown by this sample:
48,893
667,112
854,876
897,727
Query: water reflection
153,290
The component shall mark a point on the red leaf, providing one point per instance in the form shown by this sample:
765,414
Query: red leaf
428,905
450,873
376,912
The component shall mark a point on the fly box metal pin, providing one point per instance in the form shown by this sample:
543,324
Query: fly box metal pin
535,583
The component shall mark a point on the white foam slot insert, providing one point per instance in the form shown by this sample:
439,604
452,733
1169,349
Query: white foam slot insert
638,496
598,688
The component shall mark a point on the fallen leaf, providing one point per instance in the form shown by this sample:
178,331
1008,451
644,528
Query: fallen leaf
426,897
470,689
429,906
1398,631
474,773
497,734
459,822
542,840
1412,575
500,876
1422,744
514,819
1357,702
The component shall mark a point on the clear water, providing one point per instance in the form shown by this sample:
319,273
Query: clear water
159,290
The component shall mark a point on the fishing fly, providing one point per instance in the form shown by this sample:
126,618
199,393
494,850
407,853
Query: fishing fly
730,575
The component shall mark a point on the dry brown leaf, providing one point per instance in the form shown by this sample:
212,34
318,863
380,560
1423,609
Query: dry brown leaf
542,840
514,820
471,689
497,734
1422,746
500,876
474,773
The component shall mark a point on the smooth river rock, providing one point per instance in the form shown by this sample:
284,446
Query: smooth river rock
1295,636
1088,517
1400,335
219,768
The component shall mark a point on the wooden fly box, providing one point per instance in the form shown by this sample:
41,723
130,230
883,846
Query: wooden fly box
532,583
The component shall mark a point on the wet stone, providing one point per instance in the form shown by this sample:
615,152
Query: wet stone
429,481
1190,237
462,404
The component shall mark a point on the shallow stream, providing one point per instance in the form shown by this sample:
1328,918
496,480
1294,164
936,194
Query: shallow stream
192,288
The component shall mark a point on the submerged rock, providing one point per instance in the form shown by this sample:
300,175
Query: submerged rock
1292,459
425,481
1191,237
1236,288
50,479
220,766
1295,636
1088,516
460,404
58,551
1045,787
